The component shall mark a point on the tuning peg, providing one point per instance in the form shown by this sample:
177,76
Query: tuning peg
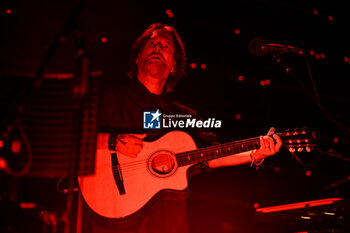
292,150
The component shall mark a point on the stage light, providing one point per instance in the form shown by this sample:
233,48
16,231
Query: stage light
16,146
238,116
193,65
203,66
346,59
330,18
315,12
104,39
267,81
336,140
3,163
8,11
262,83
300,205
240,78
322,55
308,173
27,205
276,169
312,53
237,31
169,13
329,213
317,56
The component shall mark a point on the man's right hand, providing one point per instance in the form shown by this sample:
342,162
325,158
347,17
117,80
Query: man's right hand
130,144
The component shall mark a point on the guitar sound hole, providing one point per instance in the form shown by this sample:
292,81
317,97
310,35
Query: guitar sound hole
163,164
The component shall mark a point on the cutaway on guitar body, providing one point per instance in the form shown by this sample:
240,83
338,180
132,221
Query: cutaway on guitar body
121,190
155,169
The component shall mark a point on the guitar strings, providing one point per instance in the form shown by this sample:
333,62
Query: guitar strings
138,169
134,168
197,151
184,155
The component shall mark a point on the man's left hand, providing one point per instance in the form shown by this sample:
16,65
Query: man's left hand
269,145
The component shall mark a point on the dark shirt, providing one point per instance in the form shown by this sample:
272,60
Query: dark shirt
121,111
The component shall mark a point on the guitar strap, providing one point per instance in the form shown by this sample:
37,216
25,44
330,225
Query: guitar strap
117,173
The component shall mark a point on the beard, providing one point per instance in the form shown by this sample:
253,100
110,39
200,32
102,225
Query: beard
154,68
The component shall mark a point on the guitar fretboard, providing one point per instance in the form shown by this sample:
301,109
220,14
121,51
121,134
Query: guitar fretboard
216,151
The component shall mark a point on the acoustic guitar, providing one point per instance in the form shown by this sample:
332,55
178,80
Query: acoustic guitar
122,186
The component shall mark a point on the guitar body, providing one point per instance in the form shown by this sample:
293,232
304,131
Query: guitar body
122,190
155,169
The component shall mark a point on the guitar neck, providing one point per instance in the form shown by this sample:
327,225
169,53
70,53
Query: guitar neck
216,151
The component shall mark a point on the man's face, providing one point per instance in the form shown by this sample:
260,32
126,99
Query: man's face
157,56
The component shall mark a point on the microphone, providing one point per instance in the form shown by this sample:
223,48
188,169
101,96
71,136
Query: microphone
260,47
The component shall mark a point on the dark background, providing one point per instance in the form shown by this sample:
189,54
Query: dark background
221,200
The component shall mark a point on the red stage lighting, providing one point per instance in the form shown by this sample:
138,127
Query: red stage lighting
299,205
193,65
104,39
308,173
169,13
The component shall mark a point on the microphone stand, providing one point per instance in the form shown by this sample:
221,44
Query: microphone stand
69,26
80,88
13,115
346,130
314,97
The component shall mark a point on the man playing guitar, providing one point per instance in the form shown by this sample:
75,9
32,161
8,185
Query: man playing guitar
158,61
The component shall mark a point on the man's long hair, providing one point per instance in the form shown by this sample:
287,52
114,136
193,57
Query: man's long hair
179,53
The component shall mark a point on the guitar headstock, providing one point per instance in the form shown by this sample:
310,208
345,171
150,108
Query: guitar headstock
298,139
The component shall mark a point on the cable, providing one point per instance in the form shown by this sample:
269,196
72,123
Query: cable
307,164
314,97
311,76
